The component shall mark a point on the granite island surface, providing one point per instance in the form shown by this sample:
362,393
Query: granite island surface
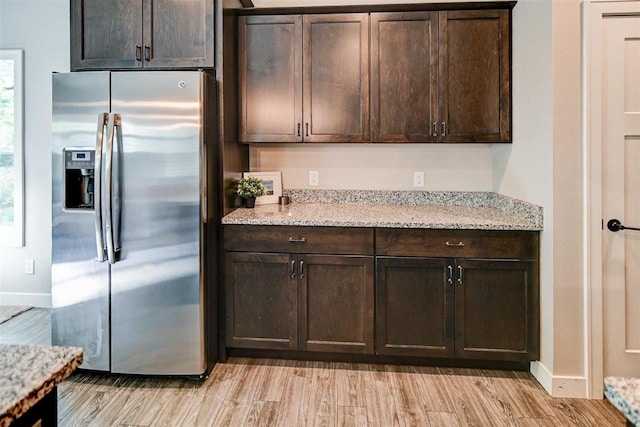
395,209
29,374
624,394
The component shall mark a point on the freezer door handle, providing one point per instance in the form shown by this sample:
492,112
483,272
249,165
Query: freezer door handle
114,121
97,185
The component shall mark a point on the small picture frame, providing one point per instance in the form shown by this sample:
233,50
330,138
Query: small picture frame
272,182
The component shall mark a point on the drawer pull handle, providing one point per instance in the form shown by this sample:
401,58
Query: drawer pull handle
460,244
292,240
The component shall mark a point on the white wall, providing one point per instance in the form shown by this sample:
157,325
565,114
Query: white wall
568,241
524,170
41,29
378,166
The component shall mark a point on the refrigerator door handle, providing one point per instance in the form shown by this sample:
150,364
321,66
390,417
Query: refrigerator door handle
97,185
114,120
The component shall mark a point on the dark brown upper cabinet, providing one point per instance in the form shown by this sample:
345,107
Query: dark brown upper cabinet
304,78
404,76
153,34
441,76
475,76
270,65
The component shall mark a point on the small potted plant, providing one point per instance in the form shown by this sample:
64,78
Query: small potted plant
249,188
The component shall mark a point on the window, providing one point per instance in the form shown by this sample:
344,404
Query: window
11,148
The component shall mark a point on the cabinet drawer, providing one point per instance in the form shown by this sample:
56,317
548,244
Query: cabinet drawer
295,239
457,243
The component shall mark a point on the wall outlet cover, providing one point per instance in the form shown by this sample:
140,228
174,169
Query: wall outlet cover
314,178
29,266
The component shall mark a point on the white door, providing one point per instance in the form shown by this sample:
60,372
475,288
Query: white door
620,133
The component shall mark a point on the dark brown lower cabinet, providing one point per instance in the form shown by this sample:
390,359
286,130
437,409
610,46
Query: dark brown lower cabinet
261,301
497,310
462,308
391,294
414,308
299,302
336,303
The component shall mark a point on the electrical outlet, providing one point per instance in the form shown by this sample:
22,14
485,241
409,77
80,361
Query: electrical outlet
29,266
418,179
314,178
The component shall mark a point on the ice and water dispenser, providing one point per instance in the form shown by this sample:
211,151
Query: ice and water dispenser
79,164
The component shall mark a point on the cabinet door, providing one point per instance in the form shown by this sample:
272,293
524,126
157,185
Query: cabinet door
178,33
404,77
270,66
414,307
497,310
261,301
475,76
336,78
336,303
106,34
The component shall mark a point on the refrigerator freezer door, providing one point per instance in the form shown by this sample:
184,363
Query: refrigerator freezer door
80,284
157,317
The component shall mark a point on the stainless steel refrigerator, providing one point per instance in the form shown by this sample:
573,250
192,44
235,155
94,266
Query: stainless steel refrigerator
128,211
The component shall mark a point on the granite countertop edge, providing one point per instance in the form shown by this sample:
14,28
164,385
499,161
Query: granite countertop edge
386,209
365,224
31,372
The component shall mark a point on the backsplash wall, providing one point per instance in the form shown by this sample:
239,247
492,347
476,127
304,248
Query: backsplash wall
463,167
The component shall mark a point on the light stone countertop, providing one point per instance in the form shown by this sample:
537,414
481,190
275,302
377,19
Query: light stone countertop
477,211
28,373
624,394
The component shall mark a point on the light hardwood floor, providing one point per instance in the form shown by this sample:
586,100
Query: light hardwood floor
263,392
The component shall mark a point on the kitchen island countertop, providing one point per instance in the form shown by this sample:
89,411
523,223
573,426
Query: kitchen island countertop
29,373
452,210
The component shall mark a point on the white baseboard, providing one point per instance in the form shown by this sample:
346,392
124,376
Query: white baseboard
16,298
542,374
559,386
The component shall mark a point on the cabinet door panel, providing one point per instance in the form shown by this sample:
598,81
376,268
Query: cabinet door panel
270,64
336,304
475,75
336,78
404,76
497,310
179,33
104,34
261,301
414,307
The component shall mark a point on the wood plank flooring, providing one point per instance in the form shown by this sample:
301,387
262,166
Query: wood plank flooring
264,392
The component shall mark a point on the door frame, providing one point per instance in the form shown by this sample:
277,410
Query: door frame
592,160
